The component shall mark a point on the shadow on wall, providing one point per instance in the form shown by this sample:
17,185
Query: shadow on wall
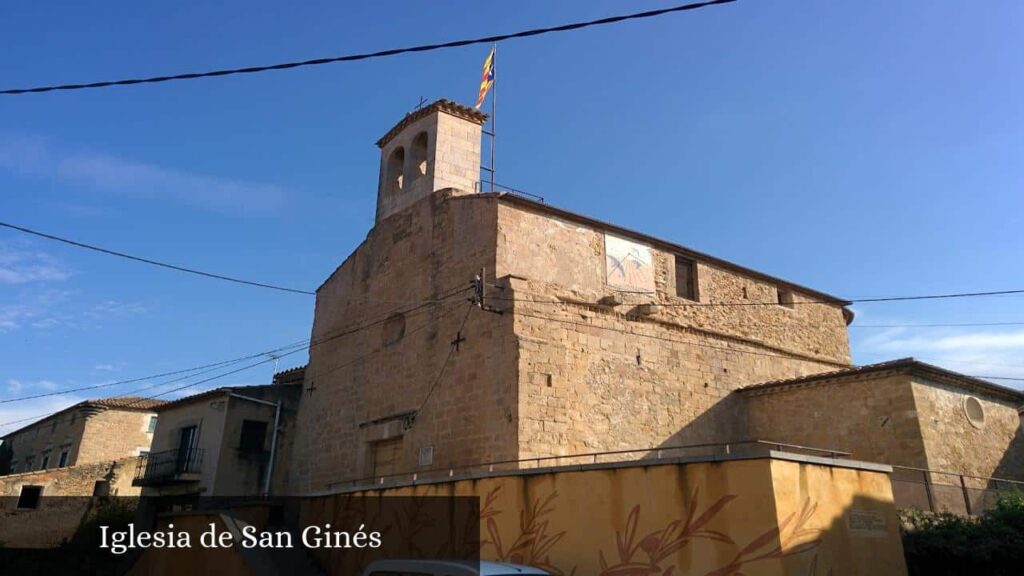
725,421
1011,465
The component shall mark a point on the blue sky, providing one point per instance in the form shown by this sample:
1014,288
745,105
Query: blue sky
864,149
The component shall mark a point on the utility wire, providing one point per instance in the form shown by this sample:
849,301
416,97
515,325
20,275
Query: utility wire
711,346
154,262
408,312
139,400
190,371
776,303
447,360
369,55
667,305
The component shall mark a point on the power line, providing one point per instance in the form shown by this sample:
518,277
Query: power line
776,303
368,55
951,325
154,376
312,343
451,351
154,262
713,347
137,401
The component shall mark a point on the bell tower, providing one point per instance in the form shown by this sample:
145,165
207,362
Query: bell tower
433,148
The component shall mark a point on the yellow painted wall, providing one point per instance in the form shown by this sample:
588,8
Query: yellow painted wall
755,517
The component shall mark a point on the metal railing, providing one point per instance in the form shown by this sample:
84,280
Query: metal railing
167,466
738,448
486,185
938,491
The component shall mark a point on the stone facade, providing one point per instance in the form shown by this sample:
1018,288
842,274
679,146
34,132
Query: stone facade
94,431
903,413
66,500
600,369
113,478
559,360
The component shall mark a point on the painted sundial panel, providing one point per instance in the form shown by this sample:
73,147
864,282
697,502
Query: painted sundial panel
629,266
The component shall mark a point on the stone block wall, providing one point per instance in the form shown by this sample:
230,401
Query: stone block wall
992,448
88,434
74,480
874,418
897,418
384,326
600,369
115,434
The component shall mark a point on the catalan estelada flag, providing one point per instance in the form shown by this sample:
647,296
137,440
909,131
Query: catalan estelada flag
486,79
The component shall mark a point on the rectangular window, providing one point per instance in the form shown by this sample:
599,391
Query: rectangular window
152,424
186,457
101,488
686,278
63,459
785,297
254,434
45,462
29,497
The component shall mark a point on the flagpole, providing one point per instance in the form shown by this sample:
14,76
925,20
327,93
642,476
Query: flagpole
494,100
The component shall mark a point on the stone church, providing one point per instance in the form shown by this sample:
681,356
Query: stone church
582,336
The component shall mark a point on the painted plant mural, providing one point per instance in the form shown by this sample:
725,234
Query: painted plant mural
652,553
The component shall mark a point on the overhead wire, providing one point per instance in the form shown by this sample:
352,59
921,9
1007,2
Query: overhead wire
368,55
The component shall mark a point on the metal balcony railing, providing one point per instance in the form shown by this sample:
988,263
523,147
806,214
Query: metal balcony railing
168,467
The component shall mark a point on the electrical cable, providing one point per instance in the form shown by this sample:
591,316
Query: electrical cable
368,55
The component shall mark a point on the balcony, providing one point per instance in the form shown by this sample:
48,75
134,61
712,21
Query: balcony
169,467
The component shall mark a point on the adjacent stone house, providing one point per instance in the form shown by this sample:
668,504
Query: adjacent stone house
225,442
90,432
903,412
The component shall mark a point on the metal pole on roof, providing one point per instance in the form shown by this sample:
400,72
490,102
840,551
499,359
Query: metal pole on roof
494,101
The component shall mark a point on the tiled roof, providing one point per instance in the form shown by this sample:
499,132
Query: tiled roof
443,105
227,390
127,402
901,366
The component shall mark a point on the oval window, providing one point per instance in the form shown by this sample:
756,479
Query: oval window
974,411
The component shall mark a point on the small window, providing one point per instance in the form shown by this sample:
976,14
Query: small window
29,497
101,488
686,278
395,171
254,434
63,459
419,156
785,297
152,424
45,462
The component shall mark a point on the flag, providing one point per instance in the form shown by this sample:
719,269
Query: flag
487,79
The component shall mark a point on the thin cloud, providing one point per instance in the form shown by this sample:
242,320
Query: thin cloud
975,352
15,386
21,265
33,157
